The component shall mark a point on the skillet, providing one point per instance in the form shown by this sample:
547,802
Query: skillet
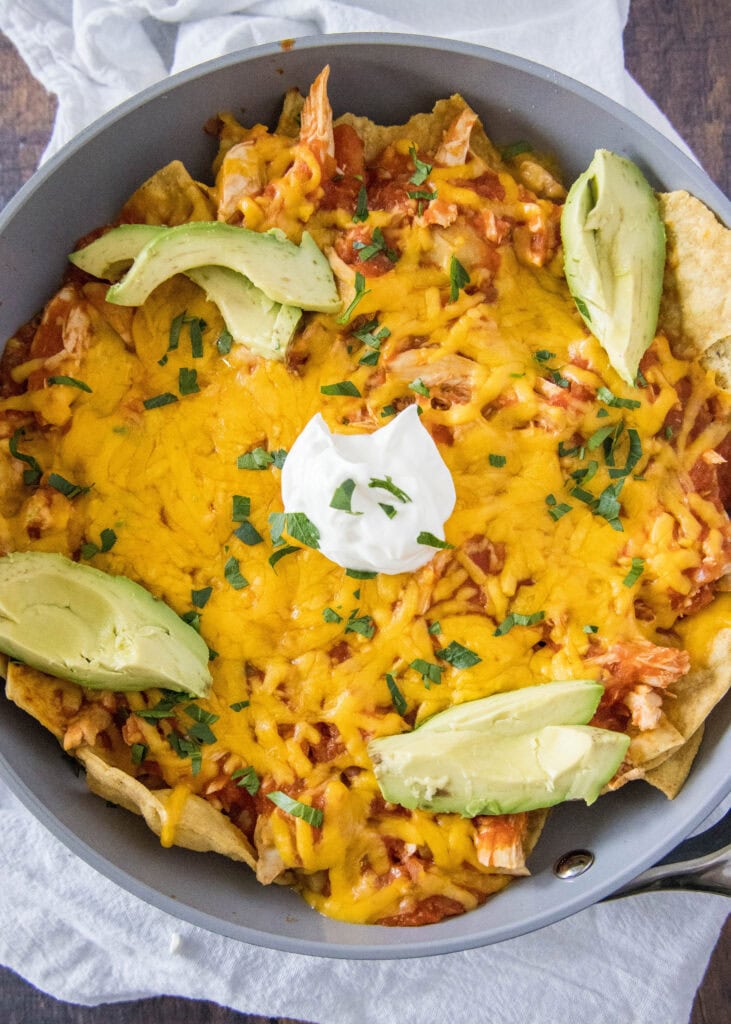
388,78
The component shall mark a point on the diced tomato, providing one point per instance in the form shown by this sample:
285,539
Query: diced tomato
487,185
426,911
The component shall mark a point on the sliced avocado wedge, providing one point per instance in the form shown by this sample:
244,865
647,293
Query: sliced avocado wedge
104,632
263,326
502,754
295,275
572,702
471,773
614,256
108,256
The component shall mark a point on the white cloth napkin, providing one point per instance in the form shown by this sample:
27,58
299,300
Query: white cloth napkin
78,936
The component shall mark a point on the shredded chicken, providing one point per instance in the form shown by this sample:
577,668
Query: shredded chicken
499,841
455,145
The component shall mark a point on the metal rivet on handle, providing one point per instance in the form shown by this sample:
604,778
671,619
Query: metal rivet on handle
573,864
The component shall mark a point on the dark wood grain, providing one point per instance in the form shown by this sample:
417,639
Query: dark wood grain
22,1004
678,52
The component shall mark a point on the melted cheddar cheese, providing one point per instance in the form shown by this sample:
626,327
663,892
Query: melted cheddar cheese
512,378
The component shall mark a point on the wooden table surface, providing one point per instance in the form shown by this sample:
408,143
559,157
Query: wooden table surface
679,53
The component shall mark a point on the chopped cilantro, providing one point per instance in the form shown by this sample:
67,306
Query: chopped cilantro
361,206
157,401
516,619
240,705
33,474
225,342
138,752
108,539
429,540
633,456
198,714
260,458
435,628
300,528
555,510
70,382
232,573
193,619
174,333
360,291
515,149
498,461
241,508
636,570
342,497
65,487
586,473
543,355
360,574
388,509
388,410
598,437
248,533
185,747
423,195
420,387
422,169
606,396
458,656
363,624
390,486
343,387
330,615
429,672
201,597
591,629
312,815
458,278
378,244
187,381
196,326
282,553
247,779
397,698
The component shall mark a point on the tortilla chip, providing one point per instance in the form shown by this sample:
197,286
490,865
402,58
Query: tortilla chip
674,742
169,197
672,773
289,119
648,745
424,130
54,702
200,826
718,359
695,312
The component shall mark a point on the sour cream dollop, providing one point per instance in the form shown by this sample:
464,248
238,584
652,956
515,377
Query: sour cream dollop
397,466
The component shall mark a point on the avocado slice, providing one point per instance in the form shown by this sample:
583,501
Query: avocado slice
474,772
104,632
108,256
265,327
502,754
295,275
570,702
614,257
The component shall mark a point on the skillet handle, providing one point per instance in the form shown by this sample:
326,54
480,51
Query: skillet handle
699,864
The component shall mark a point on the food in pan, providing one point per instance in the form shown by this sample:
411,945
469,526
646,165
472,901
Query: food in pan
409,502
